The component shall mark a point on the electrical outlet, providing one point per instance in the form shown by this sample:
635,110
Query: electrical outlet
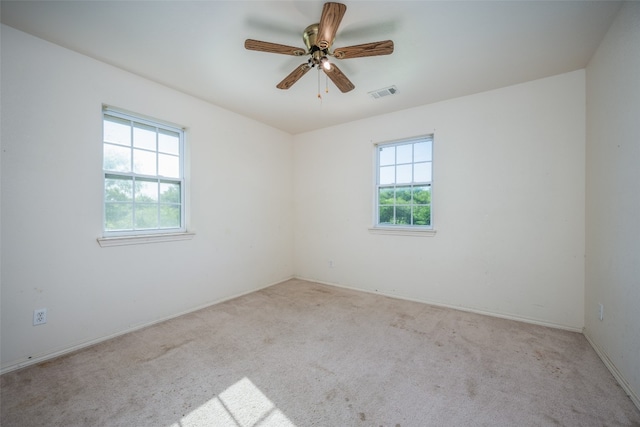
600,311
39,316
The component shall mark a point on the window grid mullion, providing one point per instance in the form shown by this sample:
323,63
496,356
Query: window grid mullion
157,177
131,147
413,170
158,200
395,185
135,204
144,177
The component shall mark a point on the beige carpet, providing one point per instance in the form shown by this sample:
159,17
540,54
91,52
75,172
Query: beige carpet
304,354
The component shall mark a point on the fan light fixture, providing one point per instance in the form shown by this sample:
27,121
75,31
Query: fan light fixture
325,63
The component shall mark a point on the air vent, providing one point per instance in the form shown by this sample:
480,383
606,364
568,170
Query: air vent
391,90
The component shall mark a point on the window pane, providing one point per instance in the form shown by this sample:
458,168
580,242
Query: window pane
144,137
117,131
146,191
387,156
422,195
386,196
387,175
168,166
386,214
169,142
144,162
118,216
403,195
422,151
422,215
169,192
146,215
422,172
169,216
403,174
404,153
118,189
403,215
116,158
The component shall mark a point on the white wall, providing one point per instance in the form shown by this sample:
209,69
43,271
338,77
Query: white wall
613,198
241,203
508,204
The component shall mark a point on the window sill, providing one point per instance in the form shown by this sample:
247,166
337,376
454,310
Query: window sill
403,231
143,239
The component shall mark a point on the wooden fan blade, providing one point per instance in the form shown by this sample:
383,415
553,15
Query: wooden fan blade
261,46
340,80
294,76
332,14
368,49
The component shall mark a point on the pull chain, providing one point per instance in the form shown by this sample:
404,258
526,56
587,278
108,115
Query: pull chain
319,96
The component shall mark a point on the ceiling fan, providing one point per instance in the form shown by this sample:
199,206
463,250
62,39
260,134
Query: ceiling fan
318,39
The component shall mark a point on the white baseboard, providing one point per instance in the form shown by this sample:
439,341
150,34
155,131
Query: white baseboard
12,366
455,307
614,371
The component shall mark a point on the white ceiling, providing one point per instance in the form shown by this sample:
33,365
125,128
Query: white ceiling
443,49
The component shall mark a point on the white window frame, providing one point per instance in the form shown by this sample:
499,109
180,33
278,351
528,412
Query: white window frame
402,229
144,235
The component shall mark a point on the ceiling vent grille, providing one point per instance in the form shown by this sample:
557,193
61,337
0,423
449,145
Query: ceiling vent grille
391,90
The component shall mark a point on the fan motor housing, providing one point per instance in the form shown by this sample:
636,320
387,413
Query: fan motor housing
310,35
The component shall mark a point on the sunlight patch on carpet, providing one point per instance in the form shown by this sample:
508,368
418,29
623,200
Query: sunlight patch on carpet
240,405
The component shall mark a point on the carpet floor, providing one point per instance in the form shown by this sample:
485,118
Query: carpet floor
305,354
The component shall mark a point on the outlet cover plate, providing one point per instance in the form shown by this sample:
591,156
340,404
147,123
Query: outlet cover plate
39,316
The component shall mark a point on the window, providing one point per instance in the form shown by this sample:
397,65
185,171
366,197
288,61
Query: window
403,187
143,176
